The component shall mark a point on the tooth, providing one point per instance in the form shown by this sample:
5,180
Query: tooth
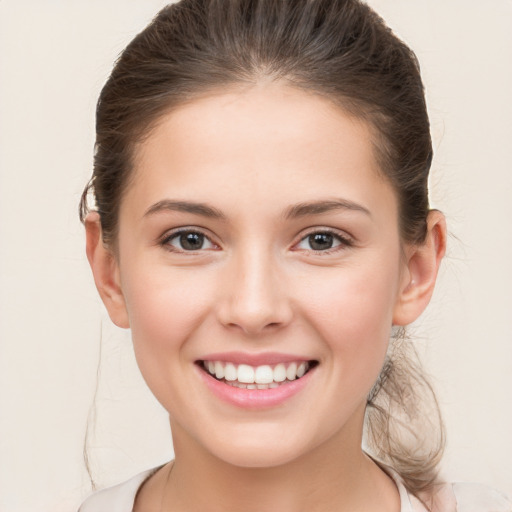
279,373
211,367
251,386
262,386
246,374
291,371
263,375
219,370
273,385
301,370
230,372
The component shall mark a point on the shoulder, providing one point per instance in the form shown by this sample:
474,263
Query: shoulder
452,497
119,498
466,497
479,498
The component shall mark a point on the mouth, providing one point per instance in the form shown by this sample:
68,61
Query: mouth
262,377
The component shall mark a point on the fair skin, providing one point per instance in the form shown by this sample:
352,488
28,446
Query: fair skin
295,251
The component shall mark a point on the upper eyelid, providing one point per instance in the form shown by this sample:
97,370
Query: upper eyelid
170,233
343,235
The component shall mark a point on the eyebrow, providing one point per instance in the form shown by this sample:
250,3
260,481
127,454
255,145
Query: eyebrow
185,206
295,211
318,207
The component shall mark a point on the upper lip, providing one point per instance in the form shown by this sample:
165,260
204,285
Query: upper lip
251,359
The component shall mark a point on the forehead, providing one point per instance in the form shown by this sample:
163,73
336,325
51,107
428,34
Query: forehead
257,139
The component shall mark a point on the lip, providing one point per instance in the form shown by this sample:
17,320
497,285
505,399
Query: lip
256,398
270,358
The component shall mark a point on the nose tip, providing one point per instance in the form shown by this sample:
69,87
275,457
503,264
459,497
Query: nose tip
255,302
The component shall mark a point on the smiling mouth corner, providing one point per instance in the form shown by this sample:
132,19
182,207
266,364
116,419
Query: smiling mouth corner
245,376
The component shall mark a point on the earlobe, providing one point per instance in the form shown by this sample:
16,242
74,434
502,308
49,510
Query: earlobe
422,264
105,270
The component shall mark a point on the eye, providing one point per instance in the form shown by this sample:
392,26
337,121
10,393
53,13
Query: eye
323,241
186,241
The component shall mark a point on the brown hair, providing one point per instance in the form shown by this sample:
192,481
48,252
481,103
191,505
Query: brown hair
338,48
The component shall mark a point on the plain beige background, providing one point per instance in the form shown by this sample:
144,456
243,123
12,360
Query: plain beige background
54,57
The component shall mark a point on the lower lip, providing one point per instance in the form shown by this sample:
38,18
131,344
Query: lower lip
255,398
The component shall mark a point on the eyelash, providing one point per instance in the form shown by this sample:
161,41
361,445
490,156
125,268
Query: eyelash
165,241
344,241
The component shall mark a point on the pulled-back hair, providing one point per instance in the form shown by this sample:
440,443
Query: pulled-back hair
340,49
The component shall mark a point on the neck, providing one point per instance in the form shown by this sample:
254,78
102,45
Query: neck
336,475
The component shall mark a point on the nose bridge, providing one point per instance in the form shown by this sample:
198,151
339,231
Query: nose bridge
255,296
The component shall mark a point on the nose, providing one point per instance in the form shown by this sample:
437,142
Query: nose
254,297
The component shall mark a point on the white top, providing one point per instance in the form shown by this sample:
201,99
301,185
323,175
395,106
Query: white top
454,497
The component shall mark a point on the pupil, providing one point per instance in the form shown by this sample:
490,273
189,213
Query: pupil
320,241
192,241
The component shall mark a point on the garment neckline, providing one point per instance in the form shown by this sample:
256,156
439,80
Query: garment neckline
406,504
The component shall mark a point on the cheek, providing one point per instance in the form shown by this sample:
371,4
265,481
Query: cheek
352,309
164,308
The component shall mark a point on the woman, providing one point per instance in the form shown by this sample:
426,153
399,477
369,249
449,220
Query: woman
262,225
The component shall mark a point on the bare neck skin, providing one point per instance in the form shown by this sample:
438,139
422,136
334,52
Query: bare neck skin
336,475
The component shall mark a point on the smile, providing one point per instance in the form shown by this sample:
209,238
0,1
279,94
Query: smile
244,376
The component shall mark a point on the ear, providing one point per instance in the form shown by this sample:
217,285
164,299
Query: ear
105,269
422,265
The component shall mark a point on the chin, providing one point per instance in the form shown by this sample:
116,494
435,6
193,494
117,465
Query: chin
257,449
252,457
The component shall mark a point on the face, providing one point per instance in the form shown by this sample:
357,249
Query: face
258,241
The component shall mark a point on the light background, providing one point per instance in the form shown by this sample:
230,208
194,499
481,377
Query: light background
54,58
